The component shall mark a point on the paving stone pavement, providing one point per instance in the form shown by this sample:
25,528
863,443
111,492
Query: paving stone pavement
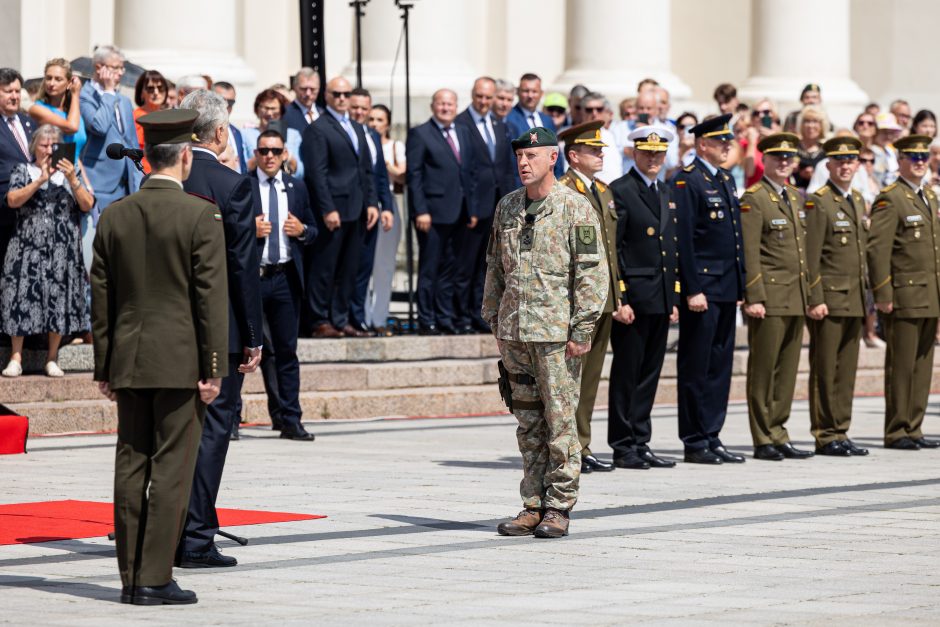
410,536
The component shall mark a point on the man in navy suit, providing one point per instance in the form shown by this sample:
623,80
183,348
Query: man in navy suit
284,224
232,193
441,198
359,106
338,172
303,109
16,131
524,115
495,177
227,91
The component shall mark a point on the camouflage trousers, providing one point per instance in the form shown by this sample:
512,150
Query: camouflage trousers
548,438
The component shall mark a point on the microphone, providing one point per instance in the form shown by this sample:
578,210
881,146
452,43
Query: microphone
117,152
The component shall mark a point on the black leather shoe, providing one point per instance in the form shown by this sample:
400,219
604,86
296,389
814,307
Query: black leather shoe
296,433
595,464
431,329
169,594
446,330
925,443
235,435
850,446
465,330
833,449
127,594
631,460
702,456
791,452
768,452
727,456
210,559
655,462
276,424
904,444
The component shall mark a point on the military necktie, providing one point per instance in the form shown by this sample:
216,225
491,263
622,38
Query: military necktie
274,239
597,196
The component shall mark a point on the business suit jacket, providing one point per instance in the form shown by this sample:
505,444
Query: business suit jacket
517,123
337,177
98,112
647,247
494,177
380,171
298,204
158,290
438,184
239,147
295,118
10,156
231,191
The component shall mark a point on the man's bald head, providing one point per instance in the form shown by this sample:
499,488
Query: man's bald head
444,106
338,91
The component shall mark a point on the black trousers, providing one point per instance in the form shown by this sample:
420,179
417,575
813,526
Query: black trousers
333,272
639,350
435,293
280,368
470,273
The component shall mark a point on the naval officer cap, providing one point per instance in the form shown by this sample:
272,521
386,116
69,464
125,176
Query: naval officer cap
782,145
588,134
714,128
652,138
535,138
168,126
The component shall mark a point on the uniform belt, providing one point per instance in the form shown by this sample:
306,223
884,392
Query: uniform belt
522,379
274,268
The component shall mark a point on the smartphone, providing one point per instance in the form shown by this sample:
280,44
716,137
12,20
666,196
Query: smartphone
643,118
766,121
62,151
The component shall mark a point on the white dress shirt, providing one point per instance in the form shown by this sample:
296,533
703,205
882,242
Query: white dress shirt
282,209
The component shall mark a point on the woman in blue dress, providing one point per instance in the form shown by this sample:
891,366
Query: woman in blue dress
57,103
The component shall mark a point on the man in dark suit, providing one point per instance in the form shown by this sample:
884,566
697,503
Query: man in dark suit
441,196
711,269
227,91
524,115
232,193
15,134
303,109
161,329
494,176
338,172
284,225
647,254
359,106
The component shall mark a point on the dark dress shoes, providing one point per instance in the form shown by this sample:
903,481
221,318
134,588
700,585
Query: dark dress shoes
235,435
904,444
296,432
326,330
727,456
168,594
925,443
127,594
430,329
631,460
702,456
791,452
276,424
850,446
212,558
595,464
447,330
351,331
833,449
653,460
768,452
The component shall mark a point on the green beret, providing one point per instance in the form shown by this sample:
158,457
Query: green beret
534,138
168,126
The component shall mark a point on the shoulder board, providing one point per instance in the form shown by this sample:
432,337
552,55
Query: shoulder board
792,188
822,191
889,188
206,198
689,167
601,188
753,188
580,185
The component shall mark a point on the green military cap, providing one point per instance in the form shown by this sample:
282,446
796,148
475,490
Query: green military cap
914,144
555,99
534,138
588,134
842,146
779,144
168,126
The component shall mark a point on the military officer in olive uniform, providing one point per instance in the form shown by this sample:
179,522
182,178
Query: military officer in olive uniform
775,296
711,276
583,150
836,241
647,250
904,268
160,325
546,285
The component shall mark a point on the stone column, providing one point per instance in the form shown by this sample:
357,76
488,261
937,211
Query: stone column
795,42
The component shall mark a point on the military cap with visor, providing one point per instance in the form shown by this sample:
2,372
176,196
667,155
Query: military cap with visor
780,145
914,145
168,126
535,138
587,134
842,147
714,128
651,138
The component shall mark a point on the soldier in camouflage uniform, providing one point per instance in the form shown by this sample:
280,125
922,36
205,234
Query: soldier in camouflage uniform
545,288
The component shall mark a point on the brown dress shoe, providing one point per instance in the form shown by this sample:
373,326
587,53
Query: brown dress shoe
351,331
554,524
326,330
522,525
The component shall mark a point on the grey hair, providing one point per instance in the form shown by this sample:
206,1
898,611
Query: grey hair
213,113
304,72
163,156
103,53
191,82
503,85
46,130
595,95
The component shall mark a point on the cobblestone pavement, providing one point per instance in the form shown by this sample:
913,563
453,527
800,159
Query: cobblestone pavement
410,536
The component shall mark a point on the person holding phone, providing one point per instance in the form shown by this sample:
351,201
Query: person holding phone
42,288
57,103
764,123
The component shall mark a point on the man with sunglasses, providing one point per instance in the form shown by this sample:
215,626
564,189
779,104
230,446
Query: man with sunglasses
775,296
904,267
596,108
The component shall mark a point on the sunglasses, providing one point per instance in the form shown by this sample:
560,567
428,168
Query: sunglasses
230,102
264,152
864,123
341,94
918,157
593,109
866,160
555,110
763,112
156,88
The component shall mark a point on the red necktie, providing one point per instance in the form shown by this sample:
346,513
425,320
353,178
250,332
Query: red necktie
450,141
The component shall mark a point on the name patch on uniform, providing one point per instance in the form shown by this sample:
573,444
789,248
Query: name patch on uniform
802,215
843,223
916,218
779,222
586,239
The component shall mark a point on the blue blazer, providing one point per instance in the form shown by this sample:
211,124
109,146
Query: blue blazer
494,177
101,125
382,185
295,118
231,191
298,203
10,157
517,124
337,178
437,183
239,147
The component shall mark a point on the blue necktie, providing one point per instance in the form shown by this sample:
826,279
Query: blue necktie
490,140
352,134
274,239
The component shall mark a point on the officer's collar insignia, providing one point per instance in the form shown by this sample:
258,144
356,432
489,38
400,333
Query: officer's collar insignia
579,185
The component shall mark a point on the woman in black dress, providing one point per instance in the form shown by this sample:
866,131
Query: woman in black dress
43,285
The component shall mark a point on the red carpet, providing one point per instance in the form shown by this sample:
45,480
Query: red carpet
24,523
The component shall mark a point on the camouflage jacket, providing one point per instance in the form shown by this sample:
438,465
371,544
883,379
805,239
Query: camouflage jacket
545,280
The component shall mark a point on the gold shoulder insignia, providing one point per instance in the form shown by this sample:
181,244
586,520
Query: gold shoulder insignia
889,187
579,185
753,188
689,167
822,191
601,188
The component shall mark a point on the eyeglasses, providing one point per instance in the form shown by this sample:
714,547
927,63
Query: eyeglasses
864,123
593,109
341,94
231,102
264,152
763,112
156,88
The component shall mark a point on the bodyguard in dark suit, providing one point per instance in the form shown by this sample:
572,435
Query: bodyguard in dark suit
231,192
441,197
524,115
494,177
284,225
711,276
160,327
16,131
647,254
338,172
304,110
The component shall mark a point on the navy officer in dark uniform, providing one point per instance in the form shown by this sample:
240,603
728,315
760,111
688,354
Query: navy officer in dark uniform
711,275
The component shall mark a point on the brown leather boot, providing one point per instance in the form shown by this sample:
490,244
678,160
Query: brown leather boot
522,525
554,524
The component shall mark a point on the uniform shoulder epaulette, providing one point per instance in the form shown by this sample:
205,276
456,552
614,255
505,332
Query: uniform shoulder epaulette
689,167
753,188
822,191
564,178
206,198
601,188
889,188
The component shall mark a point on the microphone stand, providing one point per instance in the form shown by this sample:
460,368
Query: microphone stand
405,6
